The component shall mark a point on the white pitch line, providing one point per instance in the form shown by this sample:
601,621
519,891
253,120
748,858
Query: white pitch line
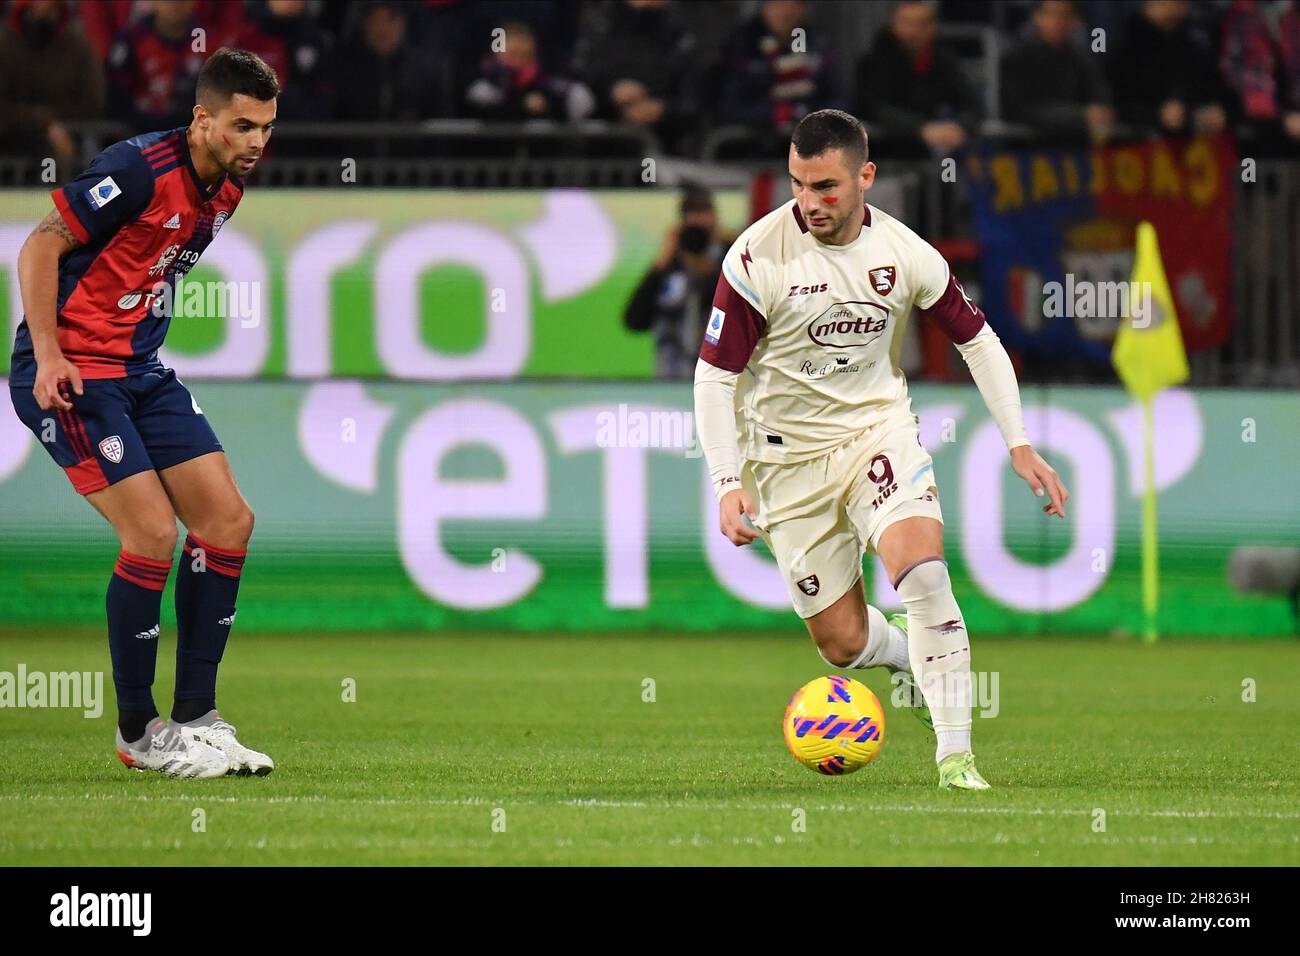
667,805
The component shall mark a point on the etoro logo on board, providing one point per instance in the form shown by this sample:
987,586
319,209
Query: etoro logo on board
382,287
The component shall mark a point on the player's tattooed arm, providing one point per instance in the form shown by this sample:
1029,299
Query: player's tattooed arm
38,282
54,225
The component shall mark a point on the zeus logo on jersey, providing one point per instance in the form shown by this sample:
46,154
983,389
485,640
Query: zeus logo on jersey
103,192
714,330
806,289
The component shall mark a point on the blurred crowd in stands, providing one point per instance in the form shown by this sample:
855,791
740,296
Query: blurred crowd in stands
915,72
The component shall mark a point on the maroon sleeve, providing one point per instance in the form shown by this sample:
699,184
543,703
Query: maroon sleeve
959,317
733,329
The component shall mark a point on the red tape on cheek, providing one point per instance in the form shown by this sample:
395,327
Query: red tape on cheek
830,200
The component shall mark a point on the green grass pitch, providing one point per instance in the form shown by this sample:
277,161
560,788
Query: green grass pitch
553,731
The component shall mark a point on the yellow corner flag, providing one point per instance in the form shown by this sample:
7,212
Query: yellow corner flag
1149,353
1149,357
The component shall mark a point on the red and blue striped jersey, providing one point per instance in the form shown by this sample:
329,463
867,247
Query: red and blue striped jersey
143,217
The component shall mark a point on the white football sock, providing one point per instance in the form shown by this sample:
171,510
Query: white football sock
885,646
951,742
940,652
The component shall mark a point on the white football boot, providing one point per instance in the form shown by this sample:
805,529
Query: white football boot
211,730
163,749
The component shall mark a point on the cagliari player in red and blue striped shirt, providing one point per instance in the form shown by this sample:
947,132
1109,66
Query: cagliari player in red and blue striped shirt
96,277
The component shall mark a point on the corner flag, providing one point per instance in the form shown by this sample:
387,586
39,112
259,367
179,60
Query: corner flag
1149,353
1149,357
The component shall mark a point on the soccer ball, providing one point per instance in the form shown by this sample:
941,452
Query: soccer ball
834,725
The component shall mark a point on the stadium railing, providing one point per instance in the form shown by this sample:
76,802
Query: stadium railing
450,153
1265,347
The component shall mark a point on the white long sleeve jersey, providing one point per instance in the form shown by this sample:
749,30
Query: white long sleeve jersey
818,329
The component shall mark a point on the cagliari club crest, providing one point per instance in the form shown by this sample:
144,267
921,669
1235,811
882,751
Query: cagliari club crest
112,449
882,279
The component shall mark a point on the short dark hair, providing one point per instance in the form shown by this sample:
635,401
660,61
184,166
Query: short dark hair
831,129
230,71
695,198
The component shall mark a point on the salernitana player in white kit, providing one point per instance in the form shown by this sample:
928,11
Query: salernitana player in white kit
811,307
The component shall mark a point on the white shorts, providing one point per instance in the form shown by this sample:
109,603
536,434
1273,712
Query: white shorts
821,516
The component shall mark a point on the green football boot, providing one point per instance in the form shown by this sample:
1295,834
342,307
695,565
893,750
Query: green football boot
921,711
957,772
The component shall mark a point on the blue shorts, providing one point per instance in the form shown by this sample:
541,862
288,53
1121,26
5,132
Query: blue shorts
119,428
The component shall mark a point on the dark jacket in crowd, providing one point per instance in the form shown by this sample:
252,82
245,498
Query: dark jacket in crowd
767,85
299,52
151,77
392,88
1048,88
48,72
673,304
651,46
897,94
1153,66
501,93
